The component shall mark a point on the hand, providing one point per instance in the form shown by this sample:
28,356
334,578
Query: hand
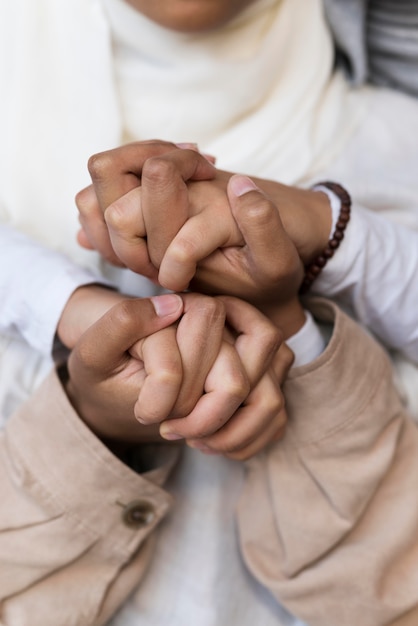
131,363
104,379
84,307
117,371
120,172
261,417
116,221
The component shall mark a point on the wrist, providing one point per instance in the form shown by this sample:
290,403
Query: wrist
289,317
306,216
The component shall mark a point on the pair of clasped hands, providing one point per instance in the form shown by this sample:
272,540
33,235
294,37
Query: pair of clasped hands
206,369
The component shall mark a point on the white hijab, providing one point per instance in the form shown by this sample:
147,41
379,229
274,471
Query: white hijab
84,75
258,93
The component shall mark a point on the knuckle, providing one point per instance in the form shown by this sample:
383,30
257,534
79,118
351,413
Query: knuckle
169,374
261,212
270,338
282,362
114,216
84,354
281,418
100,166
287,355
212,309
183,250
273,406
86,203
237,387
156,170
123,313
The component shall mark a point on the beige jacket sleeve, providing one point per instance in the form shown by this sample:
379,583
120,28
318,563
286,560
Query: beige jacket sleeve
76,524
328,519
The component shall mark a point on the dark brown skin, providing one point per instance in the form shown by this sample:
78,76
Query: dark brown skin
169,214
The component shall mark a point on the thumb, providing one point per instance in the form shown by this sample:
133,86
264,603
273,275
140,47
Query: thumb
105,343
257,217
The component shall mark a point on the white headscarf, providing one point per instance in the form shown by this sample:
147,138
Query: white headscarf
258,93
83,75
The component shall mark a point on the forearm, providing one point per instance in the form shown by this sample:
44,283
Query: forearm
72,543
333,491
373,273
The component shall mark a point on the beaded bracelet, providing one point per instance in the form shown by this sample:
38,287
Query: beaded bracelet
313,270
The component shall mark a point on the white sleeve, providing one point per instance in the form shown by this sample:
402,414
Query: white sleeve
35,284
374,274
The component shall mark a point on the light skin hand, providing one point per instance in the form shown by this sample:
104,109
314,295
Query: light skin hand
224,369
226,420
260,421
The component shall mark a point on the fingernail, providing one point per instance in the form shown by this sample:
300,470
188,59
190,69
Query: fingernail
167,304
188,146
170,436
239,185
210,158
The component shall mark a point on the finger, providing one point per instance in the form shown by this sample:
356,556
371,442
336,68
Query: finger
115,172
257,338
269,249
282,362
193,146
163,375
274,433
253,426
127,233
196,240
83,240
105,344
199,337
165,197
225,389
94,229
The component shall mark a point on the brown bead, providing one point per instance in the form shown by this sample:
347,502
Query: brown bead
314,269
328,253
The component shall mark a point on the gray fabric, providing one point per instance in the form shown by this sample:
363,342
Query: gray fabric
377,40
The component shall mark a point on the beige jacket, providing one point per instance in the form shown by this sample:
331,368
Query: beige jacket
328,518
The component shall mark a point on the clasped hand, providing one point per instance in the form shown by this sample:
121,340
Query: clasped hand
169,214
207,370
166,212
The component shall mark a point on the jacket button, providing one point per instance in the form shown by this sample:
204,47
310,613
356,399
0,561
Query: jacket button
138,514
